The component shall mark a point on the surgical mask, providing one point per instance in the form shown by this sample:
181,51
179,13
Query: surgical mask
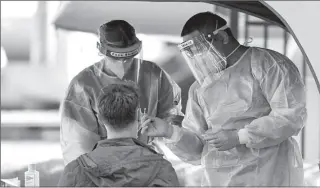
119,66
202,57
119,60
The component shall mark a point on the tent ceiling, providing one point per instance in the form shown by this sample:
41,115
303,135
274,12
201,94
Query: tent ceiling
159,17
254,8
147,17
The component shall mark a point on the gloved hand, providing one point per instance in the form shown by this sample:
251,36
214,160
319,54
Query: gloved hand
156,127
224,139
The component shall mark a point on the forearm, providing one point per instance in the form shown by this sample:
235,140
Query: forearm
273,129
283,88
77,134
170,112
186,144
169,104
72,150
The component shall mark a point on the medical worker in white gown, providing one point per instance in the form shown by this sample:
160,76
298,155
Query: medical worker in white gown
80,128
242,111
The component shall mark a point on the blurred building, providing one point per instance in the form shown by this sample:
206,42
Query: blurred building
29,79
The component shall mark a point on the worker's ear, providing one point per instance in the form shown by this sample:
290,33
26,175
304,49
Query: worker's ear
101,118
138,114
221,36
224,37
98,46
101,48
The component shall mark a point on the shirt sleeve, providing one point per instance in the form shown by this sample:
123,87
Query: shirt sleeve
283,88
79,125
166,177
169,104
186,141
68,176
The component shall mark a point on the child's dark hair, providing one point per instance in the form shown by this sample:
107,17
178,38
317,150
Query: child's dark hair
118,104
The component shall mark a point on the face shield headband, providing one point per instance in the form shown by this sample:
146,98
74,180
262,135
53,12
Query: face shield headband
124,53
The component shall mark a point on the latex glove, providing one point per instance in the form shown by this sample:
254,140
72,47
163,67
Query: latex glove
156,127
224,139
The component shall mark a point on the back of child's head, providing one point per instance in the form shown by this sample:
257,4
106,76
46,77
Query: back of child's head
118,105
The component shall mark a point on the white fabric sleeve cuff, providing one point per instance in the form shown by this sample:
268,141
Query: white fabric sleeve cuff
243,136
175,137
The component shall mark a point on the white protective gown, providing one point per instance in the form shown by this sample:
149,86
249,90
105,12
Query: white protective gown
262,94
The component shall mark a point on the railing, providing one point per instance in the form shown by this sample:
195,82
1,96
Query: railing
30,118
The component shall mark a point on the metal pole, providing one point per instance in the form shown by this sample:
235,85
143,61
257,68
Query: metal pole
285,35
265,35
246,33
234,23
38,44
304,72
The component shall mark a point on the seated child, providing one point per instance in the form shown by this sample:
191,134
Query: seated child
120,160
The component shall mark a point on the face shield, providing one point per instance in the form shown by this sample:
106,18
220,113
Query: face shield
202,57
119,60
